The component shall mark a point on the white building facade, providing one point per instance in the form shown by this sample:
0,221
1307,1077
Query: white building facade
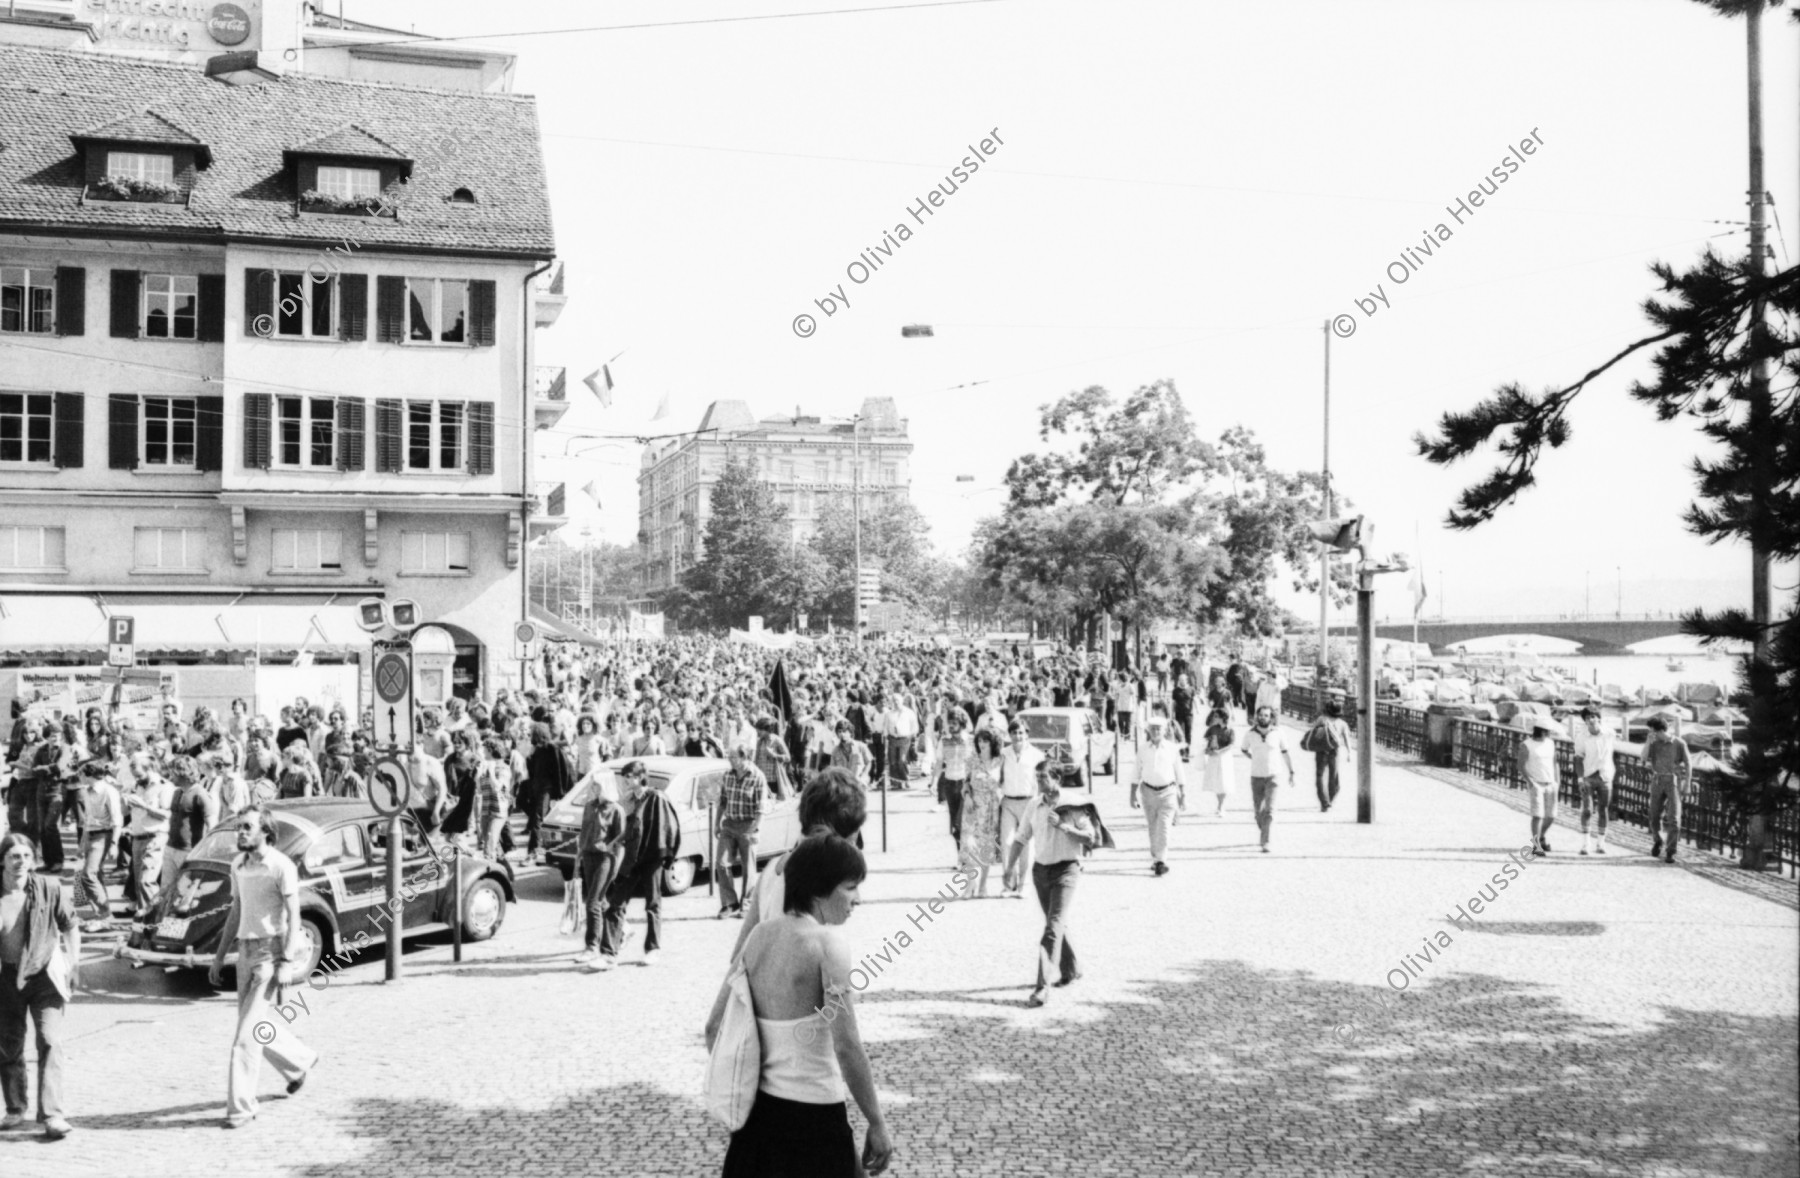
806,459
265,350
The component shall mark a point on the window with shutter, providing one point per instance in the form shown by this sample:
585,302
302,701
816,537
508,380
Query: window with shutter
353,306
257,447
122,431
387,437
390,309
350,433
71,300
125,285
481,312
259,303
212,308
209,453
71,425
481,437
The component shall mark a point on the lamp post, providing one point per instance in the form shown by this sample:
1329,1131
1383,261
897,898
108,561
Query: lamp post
856,623
1324,659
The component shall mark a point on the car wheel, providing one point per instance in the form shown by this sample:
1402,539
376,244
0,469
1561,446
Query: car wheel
484,907
313,939
679,876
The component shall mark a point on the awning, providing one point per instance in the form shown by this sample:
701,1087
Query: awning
562,629
165,623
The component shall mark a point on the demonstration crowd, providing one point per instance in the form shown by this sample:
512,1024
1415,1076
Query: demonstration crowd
105,799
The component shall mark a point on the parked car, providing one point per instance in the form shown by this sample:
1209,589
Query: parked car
339,846
1078,732
692,784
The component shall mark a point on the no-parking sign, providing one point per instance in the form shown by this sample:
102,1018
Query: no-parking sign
392,676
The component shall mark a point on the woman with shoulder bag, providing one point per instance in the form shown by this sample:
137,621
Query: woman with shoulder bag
789,1009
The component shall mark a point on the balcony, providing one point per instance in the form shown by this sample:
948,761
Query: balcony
548,509
550,395
547,296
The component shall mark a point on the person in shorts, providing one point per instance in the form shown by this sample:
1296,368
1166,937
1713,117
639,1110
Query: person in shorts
1537,763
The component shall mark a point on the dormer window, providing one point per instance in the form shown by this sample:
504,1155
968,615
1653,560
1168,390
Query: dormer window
141,166
350,183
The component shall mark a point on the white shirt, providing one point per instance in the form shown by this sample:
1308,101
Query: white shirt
903,721
1018,771
1262,747
1160,764
1596,750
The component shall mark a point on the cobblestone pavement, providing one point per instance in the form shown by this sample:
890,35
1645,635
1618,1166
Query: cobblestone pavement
1600,1017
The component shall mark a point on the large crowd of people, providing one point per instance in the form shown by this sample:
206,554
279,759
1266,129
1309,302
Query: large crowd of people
119,806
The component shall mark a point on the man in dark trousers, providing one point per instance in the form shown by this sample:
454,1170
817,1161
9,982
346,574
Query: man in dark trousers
602,838
547,777
652,840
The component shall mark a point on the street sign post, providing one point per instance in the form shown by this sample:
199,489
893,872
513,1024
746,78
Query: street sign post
525,636
393,679
390,791
121,641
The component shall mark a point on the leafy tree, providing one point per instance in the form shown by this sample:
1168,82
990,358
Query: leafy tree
1143,520
744,568
894,538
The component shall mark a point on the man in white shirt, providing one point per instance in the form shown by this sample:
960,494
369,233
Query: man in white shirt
264,924
1595,743
1162,786
1058,840
150,806
1018,785
1261,744
902,730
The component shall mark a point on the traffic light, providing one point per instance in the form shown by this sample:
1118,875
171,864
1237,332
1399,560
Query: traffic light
1340,535
371,614
406,614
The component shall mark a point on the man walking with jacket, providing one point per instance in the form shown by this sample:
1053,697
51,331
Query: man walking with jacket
652,840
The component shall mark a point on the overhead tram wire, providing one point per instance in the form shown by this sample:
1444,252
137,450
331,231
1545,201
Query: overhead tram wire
1275,325
665,24
999,171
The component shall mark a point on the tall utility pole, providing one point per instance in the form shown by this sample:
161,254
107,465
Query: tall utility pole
1763,437
1330,513
1761,408
856,516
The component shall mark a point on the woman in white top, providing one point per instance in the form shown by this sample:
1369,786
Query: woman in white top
799,967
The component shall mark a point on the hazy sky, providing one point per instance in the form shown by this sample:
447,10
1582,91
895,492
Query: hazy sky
1184,190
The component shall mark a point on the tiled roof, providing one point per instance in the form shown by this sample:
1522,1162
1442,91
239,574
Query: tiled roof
487,143
349,140
145,126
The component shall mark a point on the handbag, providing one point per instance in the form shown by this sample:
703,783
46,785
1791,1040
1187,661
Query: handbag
734,1070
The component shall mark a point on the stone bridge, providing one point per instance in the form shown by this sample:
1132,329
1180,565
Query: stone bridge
1598,636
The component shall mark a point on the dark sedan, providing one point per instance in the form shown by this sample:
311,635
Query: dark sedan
339,847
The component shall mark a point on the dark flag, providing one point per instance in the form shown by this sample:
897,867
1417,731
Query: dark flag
786,713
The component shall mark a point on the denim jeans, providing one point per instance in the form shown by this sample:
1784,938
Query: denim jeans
261,1029
1665,803
1262,794
647,883
1055,884
1325,778
44,1005
736,836
597,868
899,749
89,887
146,866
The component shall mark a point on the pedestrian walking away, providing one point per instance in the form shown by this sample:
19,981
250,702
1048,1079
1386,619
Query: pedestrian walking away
1261,744
40,961
1328,740
263,924
1160,788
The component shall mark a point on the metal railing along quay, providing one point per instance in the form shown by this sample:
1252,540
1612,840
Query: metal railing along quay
1490,751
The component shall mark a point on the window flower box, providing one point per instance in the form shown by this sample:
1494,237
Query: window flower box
314,201
140,191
